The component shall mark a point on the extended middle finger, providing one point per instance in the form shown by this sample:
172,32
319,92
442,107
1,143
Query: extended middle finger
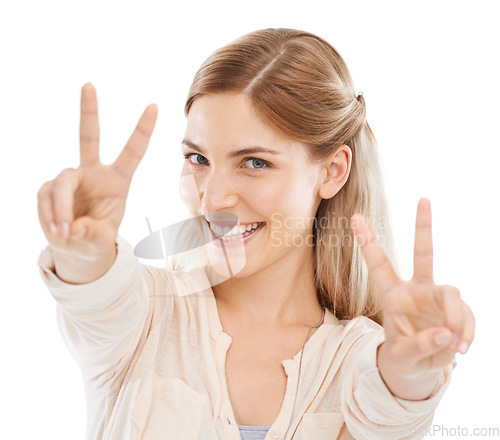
89,126
423,252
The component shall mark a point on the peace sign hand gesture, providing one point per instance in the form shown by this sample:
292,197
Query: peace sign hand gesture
89,202
425,324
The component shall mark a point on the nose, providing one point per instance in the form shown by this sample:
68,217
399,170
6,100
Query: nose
217,193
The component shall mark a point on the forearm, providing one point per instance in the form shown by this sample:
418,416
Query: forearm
101,321
417,387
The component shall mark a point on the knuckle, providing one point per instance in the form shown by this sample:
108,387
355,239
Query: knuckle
129,151
146,134
61,182
423,253
44,189
65,174
451,291
455,293
423,284
121,173
88,138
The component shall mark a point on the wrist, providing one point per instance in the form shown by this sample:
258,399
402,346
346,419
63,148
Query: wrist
415,384
73,269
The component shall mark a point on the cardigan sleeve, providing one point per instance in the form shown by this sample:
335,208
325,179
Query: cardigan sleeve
101,322
370,410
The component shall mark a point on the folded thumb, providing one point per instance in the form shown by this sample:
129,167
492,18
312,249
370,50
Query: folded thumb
442,338
80,228
426,343
90,230
434,340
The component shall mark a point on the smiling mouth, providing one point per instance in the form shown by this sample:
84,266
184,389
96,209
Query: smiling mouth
237,232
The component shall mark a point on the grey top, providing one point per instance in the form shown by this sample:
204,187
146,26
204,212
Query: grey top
253,432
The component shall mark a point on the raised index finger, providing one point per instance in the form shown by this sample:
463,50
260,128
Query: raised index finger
423,253
89,126
378,265
128,160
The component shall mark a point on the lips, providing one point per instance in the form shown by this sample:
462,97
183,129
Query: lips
235,240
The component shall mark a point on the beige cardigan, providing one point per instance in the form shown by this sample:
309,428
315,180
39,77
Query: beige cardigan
152,357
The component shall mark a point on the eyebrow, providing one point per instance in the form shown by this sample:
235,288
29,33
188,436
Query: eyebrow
233,154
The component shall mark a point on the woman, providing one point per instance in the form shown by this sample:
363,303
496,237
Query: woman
284,330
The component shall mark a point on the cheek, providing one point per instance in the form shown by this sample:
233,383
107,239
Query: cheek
274,198
269,197
188,191
288,205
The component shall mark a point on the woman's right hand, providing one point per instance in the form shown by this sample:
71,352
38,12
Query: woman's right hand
89,201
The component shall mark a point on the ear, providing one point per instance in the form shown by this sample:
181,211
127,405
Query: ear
336,170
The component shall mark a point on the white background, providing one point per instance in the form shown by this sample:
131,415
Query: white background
429,73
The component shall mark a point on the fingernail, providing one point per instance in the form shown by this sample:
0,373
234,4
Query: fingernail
52,228
81,234
463,347
64,229
441,338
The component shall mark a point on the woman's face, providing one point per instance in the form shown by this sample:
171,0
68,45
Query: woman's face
224,172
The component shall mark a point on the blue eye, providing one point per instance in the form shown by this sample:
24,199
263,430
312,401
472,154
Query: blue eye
258,163
255,160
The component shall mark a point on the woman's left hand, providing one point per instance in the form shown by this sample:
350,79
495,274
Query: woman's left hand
425,324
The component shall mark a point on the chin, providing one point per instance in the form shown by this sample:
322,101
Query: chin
232,264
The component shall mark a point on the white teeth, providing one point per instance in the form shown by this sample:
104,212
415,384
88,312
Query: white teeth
234,231
230,238
237,231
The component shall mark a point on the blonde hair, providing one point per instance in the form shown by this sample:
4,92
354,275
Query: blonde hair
299,84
